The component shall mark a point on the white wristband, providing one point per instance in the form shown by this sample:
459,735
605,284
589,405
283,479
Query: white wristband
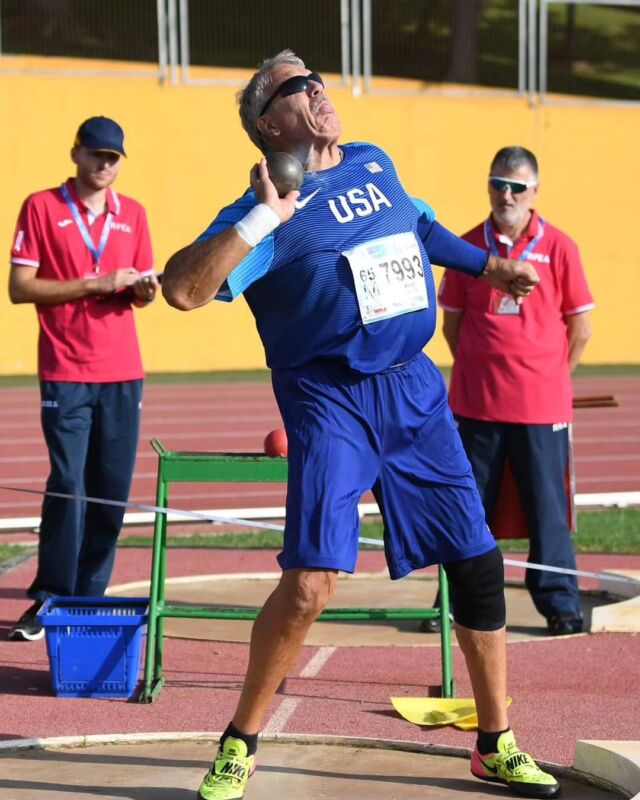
257,224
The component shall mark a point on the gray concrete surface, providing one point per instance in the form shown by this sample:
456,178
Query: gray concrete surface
286,771
523,621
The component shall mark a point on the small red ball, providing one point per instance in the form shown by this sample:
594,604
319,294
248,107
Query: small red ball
275,443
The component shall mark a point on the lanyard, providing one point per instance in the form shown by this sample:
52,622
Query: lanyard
86,236
489,236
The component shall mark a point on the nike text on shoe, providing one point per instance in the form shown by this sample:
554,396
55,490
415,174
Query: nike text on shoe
228,776
28,628
514,768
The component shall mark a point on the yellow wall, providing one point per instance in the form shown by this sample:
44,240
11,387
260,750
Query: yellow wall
188,156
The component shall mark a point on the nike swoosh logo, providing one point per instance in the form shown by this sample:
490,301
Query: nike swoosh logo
302,203
64,222
489,768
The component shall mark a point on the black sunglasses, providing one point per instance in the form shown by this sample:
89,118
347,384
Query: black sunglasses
298,83
515,187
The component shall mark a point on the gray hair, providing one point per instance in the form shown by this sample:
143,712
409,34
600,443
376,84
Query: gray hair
252,98
512,158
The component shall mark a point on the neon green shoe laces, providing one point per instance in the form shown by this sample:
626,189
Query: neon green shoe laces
228,776
515,768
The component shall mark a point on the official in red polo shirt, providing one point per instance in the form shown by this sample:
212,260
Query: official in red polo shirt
82,255
511,380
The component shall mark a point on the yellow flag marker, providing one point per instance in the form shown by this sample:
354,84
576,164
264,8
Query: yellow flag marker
432,711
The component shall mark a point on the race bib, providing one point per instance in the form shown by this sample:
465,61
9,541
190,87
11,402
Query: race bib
388,274
504,304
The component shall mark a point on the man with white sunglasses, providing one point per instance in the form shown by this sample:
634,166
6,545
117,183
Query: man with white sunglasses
511,387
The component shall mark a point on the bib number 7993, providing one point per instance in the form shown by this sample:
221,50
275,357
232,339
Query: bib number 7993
388,274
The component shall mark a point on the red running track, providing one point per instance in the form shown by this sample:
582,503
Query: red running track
563,690
235,417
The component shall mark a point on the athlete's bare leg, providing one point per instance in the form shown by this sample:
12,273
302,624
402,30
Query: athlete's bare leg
277,638
485,653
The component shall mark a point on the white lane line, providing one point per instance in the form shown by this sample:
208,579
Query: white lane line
288,706
281,716
317,662
172,430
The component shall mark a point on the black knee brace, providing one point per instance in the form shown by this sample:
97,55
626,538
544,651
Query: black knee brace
477,591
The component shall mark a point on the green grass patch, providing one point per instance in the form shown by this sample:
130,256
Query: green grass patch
223,376
264,375
610,531
603,370
9,551
17,381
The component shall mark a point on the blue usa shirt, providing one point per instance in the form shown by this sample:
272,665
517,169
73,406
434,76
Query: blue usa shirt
299,284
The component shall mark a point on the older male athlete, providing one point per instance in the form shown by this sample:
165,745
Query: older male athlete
339,281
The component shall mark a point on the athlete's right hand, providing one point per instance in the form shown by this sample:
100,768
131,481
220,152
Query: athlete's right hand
517,278
112,281
266,192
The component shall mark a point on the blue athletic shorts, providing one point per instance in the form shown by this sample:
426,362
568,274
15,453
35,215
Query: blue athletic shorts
391,432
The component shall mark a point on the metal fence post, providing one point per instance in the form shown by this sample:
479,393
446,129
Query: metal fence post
533,8
345,41
356,87
185,56
367,44
522,46
173,42
161,12
544,49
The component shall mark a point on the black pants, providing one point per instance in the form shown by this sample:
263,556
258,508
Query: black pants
538,456
91,431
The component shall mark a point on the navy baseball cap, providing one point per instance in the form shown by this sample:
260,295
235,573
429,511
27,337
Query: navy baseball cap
101,133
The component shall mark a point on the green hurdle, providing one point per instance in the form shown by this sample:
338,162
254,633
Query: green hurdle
196,467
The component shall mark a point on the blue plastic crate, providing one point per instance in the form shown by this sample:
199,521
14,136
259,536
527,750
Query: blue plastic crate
94,644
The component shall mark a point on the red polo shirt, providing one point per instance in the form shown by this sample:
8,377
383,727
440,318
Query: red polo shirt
92,339
511,362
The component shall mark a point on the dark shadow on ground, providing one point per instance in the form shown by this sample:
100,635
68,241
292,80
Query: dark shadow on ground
24,681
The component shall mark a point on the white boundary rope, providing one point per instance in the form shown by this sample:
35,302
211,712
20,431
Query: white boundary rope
205,517
155,509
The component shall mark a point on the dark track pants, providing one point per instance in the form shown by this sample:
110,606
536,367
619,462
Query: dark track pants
538,456
91,431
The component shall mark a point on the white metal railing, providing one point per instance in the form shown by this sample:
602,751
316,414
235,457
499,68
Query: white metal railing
354,39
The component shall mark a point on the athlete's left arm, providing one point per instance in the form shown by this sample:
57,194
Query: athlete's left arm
448,250
578,334
445,249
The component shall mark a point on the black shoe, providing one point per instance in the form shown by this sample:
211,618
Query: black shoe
564,625
28,627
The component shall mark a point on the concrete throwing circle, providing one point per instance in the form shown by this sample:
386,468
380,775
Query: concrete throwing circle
291,770
356,591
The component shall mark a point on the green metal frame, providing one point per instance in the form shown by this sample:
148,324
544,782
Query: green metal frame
188,467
